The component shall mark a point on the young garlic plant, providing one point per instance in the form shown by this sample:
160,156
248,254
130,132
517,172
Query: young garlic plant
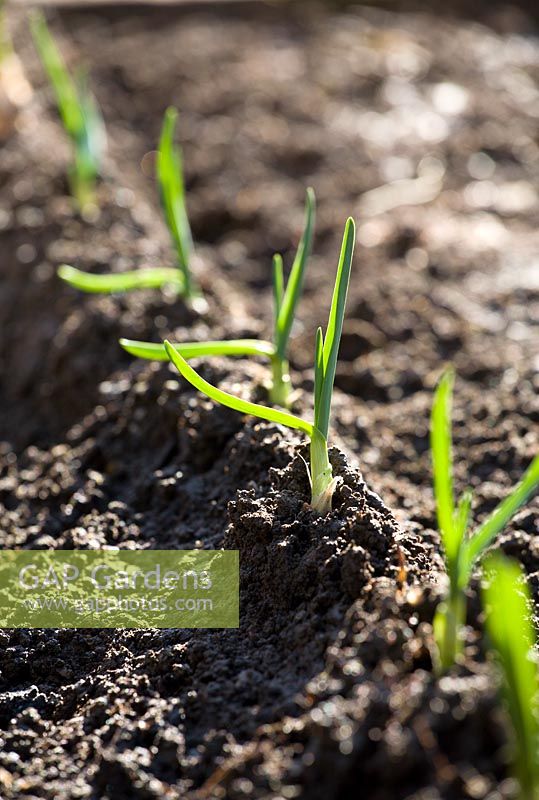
79,113
285,304
462,549
321,477
172,192
507,601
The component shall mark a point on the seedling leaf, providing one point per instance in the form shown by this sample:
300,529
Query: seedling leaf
461,519
507,599
91,141
278,283
447,626
78,111
229,400
332,337
461,551
233,347
442,464
109,283
172,188
318,366
63,85
501,516
287,306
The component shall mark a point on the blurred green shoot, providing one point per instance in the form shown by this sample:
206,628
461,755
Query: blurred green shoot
323,482
285,305
232,347
507,601
148,278
172,191
462,549
79,113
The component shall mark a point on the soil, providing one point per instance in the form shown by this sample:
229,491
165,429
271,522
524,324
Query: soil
425,129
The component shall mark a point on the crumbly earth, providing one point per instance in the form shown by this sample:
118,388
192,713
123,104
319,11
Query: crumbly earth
422,127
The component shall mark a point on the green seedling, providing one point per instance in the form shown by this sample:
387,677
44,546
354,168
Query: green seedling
285,304
507,599
462,550
79,113
172,193
321,477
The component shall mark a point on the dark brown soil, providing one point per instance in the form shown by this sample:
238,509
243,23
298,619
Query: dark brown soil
327,689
